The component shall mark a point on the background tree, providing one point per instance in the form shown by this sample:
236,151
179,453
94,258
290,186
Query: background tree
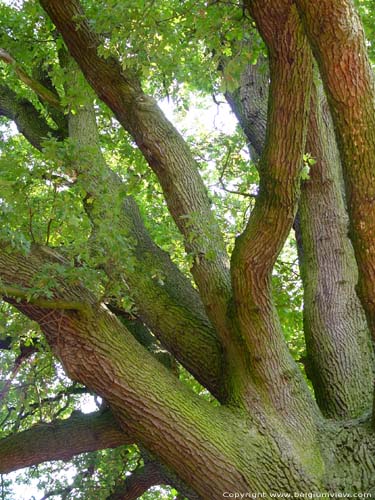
125,277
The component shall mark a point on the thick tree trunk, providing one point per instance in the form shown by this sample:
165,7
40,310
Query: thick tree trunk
349,82
182,430
339,360
214,450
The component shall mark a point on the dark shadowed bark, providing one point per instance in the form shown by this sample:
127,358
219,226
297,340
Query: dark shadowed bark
61,440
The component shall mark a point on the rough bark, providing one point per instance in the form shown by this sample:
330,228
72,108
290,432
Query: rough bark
349,83
61,440
273,369
250,103
338,360
278,442
166,152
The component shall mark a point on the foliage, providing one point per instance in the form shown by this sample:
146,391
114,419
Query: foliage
43,201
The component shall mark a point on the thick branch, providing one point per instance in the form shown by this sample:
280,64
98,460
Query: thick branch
338,362
171,307
159,411
164,149
250,102
60,440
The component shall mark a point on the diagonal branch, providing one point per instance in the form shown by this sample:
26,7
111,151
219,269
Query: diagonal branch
164,149
29,121
172,309
60,440
350,85
148,401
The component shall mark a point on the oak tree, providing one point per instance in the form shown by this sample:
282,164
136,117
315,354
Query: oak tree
125,274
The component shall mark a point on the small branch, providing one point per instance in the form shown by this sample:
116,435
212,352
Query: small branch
33,84
24,294
221,181
60,491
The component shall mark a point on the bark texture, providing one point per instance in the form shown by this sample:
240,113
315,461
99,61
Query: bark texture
268,434
61,440
339,354
273,370
349,82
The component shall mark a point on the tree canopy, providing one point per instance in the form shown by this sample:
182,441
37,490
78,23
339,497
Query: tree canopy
211,293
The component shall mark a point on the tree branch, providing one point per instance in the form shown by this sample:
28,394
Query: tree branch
29,121
139,482
271,220
157,410
350,85
164,149
15,292
168,308
60,440
338,350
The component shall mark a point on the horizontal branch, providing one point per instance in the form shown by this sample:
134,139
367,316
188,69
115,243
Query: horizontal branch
60,440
